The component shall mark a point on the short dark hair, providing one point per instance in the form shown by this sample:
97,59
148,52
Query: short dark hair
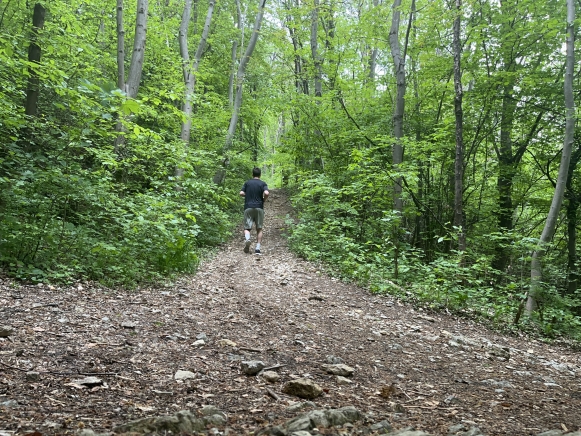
256,172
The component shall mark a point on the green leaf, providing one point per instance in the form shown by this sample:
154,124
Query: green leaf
130,107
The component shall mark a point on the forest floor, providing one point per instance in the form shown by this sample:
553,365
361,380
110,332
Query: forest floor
430,371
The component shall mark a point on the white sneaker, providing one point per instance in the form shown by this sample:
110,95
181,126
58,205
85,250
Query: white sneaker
247,246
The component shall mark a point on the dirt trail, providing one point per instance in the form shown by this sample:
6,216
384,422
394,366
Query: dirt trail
429,371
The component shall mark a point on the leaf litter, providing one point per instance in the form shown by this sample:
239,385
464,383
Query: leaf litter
86,356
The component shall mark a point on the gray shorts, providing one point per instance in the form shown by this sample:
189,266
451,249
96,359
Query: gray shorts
253,215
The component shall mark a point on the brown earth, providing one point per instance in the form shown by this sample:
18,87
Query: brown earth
429,371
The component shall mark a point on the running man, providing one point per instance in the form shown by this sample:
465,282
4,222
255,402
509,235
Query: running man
255,192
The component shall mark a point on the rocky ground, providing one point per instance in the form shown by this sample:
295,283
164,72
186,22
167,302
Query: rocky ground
87,357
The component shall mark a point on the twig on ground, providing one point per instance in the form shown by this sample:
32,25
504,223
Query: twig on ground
274,367
45,305
273,394
13,367
60,373
97,373
252,350
55,401
404,392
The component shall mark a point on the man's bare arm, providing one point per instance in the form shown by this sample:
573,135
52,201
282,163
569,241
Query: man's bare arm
242,194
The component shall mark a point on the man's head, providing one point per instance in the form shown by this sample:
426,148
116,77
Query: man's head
256,172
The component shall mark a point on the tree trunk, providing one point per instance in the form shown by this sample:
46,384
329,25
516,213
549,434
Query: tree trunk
131,86
190,70
34,52
234,54
120,47
221,173
136,66
459,158
551,223
315,49
573,202
373,56
506,171
399,68
572,272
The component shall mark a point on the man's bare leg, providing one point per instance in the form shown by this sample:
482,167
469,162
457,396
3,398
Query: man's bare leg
247,241
258,240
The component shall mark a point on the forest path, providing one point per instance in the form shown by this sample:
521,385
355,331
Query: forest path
410,368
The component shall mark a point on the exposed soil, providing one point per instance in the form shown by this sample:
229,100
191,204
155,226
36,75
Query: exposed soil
412,368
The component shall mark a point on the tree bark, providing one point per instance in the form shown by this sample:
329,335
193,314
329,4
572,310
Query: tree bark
551,223
315,49
373,55
120,47
131,86
572,271
190,69
573,201
34,52
399,68
136,66
221,173
234,55
459,158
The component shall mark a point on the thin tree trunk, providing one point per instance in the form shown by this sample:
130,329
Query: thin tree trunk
459,158
373,56
188,73
136,66
551,223
399,67
315,49
572,271
131,86
190,69
34,52
234,55
221,173
120,47
119,127
573,202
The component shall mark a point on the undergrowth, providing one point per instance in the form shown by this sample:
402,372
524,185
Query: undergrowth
358,239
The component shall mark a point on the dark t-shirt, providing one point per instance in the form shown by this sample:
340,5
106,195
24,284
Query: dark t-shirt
254,189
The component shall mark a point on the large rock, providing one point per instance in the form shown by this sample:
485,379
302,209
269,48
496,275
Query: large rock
303,388
323,419
181,422
296,407
338,369
252,367
381,427
213,415
463,430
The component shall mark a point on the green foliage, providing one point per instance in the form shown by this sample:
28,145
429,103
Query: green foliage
354,234
71,206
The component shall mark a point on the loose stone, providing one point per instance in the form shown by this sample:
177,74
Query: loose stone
338,369
184,375
252,367
303,388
